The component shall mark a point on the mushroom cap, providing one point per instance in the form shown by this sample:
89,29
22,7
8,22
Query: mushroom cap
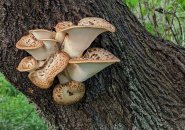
49,46
96,55
42,34
96,22
94,60
79,37
69,93
44,77
88,22
29,42
63,25
27,64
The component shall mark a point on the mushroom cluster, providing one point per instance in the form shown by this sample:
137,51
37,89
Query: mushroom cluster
61,54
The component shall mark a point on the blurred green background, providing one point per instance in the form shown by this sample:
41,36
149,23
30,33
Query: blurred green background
163,18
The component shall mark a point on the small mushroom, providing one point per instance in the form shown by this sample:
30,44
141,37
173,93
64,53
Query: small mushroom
60,35
69,93
44,77
94,60
40,50
42,34
80,37
29,64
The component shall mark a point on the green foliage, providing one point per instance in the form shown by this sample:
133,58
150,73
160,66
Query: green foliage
132,3
15,111
161,17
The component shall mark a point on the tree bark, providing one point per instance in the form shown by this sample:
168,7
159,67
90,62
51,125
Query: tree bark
144,91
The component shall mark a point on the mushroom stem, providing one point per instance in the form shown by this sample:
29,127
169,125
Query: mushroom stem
69,93
62,78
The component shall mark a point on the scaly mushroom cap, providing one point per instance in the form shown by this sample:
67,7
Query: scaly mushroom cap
29,64
95,55
81,36
44,77
94,60
69,93
42,34
29,42
96,22
59,27
63,25
40,50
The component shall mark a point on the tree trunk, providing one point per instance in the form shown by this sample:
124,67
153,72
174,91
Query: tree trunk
145,91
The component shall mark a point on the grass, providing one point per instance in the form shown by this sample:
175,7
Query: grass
15,111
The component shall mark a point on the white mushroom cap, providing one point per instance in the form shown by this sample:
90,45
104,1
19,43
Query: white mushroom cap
69,93
59,27
42,34
44,77
29,64
40,50
94,60
81,36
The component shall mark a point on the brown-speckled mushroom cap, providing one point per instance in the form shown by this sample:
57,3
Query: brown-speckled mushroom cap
29,64
69,93
80,37
97,55
63,25
96,22
94,60
44,77
39,49
29,42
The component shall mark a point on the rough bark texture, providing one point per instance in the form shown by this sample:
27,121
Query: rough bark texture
144,91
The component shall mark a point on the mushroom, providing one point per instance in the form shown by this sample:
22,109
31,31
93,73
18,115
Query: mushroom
69,93
59,27
80,37
40,50
94,60
44,77
29,64
42,34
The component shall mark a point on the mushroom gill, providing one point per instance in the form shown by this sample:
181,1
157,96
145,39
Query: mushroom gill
42,34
